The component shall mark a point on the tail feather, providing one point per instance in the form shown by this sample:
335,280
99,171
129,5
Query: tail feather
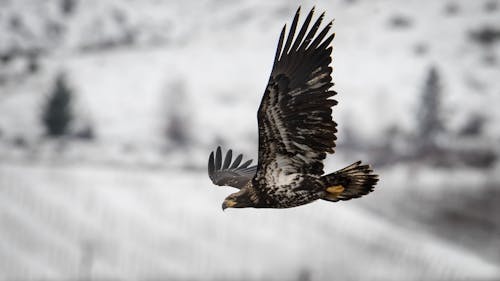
350,182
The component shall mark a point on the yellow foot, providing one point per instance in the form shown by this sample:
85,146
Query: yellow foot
335,190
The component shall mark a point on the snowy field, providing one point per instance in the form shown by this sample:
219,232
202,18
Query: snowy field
134,201
108,223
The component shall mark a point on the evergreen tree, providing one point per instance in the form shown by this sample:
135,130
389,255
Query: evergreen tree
430,123
58,114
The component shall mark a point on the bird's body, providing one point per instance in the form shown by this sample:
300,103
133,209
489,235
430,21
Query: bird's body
295,191
296,131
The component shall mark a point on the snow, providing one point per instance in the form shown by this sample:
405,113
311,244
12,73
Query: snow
130,205
147,224
213,65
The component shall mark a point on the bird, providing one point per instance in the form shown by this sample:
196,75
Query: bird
296,131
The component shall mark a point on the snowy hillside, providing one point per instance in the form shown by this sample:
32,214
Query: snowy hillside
131,224
122,87
162,83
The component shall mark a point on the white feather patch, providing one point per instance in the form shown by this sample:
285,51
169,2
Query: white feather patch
282,172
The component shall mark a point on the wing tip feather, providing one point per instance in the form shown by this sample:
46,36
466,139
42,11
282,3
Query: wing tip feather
211,166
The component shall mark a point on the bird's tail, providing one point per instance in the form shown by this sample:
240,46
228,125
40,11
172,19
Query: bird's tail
353,181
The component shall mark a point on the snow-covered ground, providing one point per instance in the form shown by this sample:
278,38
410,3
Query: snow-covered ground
131,205
68,222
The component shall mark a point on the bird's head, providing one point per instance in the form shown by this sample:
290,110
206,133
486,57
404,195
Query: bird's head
241,199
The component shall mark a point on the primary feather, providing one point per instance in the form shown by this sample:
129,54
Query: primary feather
228,174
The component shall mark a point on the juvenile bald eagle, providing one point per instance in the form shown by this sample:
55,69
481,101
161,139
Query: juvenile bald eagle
296,131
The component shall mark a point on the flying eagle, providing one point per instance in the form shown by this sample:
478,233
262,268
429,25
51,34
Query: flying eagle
296,131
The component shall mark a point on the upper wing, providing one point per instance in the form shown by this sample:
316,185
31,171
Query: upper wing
234,174
295,123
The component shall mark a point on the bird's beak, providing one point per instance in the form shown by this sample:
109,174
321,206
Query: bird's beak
228,203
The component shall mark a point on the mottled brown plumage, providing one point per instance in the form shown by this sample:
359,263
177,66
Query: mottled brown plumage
296,131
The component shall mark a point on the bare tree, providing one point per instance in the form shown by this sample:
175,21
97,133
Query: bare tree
176,125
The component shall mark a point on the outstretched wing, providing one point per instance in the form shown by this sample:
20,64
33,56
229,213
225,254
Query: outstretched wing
296,129
227,173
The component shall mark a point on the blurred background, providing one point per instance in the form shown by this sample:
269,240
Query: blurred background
109,109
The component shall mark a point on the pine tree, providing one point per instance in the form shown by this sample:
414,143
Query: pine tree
58,114
430,122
